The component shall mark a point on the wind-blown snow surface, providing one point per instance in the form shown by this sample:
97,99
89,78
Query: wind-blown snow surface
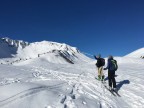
37,83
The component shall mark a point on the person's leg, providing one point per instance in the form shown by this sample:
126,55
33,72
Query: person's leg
99,73
113,80
109,79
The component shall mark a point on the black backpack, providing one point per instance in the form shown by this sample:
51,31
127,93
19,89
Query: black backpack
102,61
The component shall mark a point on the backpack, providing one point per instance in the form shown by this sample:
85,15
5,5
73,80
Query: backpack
114,65
102,61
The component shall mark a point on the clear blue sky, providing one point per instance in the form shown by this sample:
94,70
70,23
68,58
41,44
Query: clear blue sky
94,26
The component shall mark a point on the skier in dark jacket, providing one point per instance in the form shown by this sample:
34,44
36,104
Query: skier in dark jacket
111,74
100,64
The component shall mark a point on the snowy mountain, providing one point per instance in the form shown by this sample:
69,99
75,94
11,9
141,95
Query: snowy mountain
15,43
54,75
9,47
39,48
52,51
137,54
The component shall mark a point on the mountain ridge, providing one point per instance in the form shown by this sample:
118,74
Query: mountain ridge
16,52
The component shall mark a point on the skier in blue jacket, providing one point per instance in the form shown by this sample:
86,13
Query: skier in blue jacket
111,73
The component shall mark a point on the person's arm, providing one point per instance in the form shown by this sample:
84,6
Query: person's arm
95,57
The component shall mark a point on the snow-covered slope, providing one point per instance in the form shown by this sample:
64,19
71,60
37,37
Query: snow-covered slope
53,75
137,54
41,84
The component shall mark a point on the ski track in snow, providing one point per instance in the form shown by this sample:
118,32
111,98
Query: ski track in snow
78,78
27,93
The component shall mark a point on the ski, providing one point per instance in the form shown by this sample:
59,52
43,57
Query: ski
111,91
116,92
100,80
97,78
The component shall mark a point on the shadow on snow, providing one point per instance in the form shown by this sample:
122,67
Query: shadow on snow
121,83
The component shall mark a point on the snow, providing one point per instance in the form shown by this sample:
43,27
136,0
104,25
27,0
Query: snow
9,47
137,54
41,84
50,81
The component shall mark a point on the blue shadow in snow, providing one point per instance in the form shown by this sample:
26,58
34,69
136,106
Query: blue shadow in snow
121,83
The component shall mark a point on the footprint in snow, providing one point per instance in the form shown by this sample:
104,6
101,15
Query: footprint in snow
63,100
7,81
72,94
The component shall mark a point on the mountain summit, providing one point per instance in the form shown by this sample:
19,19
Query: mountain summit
52,51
